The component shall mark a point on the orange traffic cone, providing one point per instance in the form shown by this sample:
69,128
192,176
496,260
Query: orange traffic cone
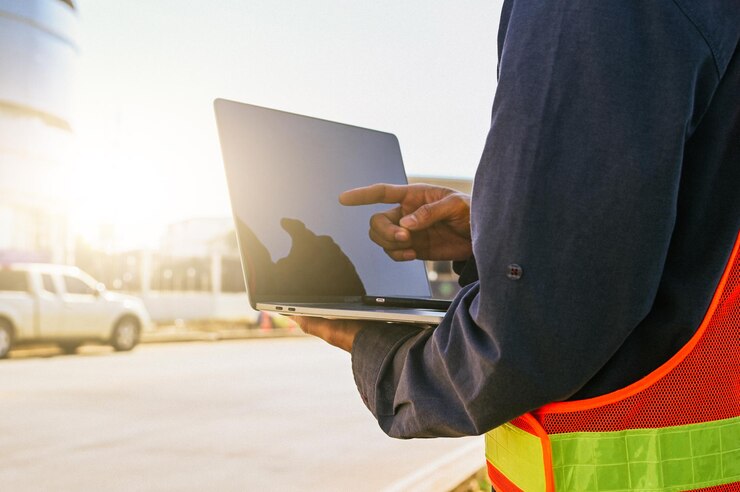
265,321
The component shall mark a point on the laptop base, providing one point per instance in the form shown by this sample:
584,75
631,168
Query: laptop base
357,311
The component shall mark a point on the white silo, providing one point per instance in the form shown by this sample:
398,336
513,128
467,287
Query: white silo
38,53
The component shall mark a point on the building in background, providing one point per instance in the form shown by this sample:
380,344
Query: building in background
194,276
198,254
38,53
460,184
191,238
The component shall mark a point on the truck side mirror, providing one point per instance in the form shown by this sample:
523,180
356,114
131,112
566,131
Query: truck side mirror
99,289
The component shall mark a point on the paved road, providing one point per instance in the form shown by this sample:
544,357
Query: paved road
247,415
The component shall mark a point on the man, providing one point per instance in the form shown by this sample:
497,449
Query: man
604,214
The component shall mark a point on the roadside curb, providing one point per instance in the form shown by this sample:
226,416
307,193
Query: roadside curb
177,334
444,474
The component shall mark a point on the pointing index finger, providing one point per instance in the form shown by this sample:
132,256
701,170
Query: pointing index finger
377,193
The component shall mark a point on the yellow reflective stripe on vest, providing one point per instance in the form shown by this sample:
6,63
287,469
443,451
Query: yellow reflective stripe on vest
666,459
676,458
517,454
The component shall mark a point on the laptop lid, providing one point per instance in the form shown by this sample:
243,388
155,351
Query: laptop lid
298,244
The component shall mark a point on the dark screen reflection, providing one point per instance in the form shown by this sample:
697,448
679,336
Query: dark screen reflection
315,265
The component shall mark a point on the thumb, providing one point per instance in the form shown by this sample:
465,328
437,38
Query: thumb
430,213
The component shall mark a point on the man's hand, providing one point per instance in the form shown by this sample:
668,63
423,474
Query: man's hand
430,223
338,332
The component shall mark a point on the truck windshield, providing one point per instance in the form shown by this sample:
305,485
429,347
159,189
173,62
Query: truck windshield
12,280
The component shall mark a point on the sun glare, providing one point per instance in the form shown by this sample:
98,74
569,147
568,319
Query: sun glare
115,203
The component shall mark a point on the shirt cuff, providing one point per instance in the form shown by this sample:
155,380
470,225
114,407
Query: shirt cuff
372,350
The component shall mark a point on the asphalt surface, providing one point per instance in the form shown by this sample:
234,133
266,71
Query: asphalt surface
278,414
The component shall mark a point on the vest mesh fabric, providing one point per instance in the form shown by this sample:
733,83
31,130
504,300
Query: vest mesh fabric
524,425
704,386
730,487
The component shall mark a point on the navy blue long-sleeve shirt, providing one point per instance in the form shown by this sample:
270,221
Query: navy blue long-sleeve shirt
604,210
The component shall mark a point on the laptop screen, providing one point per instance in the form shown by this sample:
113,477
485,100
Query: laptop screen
285,173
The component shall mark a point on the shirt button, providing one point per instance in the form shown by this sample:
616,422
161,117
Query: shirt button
514,272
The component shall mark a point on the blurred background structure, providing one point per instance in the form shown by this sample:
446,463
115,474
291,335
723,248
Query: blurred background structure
195,274
38,53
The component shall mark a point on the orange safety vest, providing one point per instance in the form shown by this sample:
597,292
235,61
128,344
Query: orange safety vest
676,429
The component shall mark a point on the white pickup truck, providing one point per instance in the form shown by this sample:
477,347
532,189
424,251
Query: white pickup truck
64,305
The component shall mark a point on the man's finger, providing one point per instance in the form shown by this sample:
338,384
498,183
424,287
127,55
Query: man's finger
388,245
311,325
340,333
300,321
385,226
401,254
377,193
431,213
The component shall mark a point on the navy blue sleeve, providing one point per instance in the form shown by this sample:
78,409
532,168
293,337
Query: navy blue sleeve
573,209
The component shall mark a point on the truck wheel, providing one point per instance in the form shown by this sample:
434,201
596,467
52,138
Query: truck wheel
6,338
125,334
69,348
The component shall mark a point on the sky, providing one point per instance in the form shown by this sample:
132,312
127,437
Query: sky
148,151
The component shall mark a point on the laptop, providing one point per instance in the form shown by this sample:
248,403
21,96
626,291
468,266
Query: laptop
302,251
